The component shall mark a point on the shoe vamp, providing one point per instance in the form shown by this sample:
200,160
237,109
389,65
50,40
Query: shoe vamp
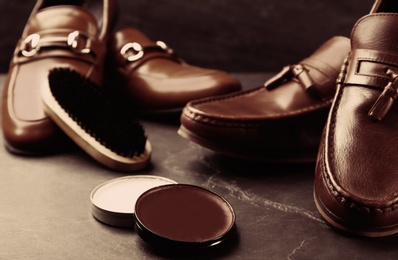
366,150
260,103
26,101
162,68
64,17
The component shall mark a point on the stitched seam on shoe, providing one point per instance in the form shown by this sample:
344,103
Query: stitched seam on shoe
231,96
341,198
241,93
368,16
247,123
349,203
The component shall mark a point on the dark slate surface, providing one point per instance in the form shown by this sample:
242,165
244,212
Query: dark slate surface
233,35
45,205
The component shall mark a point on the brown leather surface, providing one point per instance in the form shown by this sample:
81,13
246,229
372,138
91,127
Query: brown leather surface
25,126
160,80
356,175
283,123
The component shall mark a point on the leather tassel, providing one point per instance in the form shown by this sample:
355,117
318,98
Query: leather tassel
386,99
305,79
298,72
381,107
282,76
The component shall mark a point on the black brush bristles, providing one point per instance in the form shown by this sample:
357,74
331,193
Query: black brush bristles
105,119
48,3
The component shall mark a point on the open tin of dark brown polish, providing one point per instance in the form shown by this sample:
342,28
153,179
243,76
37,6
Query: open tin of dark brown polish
183,217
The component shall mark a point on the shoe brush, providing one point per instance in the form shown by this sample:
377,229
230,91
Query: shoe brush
98,123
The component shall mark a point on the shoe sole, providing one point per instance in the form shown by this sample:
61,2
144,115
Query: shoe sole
91,146
253,156
342,226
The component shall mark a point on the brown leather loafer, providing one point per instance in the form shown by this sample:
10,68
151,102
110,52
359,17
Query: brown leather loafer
356,175
153,79
281,121
56,35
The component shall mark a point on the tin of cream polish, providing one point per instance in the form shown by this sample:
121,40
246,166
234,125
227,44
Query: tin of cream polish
165,214
113,202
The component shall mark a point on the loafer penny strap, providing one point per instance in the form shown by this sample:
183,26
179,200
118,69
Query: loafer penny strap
135,54
76,42
375,69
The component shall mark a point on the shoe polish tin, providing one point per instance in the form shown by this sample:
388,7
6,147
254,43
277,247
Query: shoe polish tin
183,217
113,202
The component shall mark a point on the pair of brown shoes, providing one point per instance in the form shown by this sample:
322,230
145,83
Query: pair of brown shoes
356,176
76,35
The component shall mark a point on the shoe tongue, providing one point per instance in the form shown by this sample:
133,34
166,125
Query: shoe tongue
63,17
376,32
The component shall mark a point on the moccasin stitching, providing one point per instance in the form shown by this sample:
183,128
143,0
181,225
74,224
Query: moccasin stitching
341,198
231,96
247,123
325,102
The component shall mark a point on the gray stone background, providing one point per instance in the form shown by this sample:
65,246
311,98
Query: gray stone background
234,35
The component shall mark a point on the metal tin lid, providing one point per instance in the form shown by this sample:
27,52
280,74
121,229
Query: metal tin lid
113,202
183,217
